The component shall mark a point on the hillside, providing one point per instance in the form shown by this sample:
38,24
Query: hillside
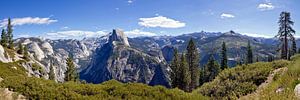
15,78
229,84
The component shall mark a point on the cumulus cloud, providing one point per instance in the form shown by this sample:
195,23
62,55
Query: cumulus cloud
137,33
227,15
265,6
160,21
27,20
74,34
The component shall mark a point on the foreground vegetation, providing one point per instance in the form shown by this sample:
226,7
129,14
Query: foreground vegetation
239,81
285,80
15,78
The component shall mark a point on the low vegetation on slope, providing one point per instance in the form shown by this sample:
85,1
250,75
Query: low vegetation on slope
241,80
16,79
282,88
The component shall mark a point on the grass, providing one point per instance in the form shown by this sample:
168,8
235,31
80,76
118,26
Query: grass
38,88
288,80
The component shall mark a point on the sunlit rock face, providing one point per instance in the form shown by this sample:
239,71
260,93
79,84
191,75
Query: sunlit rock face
117,60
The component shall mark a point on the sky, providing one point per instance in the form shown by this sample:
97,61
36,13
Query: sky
77,19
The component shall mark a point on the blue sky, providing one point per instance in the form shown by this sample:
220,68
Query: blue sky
82,18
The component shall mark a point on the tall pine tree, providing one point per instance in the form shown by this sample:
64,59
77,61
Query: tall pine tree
9,30
249,53
211,69
193,62
3,38
285,32
175,69
184,74
71,73
294,46
224,58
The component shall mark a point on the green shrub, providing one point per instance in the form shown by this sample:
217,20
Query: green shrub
239,81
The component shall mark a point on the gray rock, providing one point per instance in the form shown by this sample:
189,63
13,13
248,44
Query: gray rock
297,91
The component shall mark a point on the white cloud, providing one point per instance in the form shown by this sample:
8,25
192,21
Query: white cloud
265,6
27,20
227,15
137,33
257,35
160,21
73,34
22,35
130,1
64,28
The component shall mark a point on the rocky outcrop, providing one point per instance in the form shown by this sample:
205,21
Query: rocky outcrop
4,57
44,52
168,53
117,60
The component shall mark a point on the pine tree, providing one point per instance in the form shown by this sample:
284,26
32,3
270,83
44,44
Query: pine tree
184,75
3,38
299,50
51,73
270,58
211,69
294,46
175,69
257,59
71,73
193,62
25,53
10,35
290,54
249,54
224,58
20,49
285,32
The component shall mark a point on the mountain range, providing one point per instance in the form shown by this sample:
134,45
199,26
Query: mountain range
139,59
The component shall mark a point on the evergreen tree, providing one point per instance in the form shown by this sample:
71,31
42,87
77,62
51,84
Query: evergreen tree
51,73
175,69
211,69
257,59
3,38
224,58
299,50
193,62
20,49
184,75
25,53
249,54
290,54
270,58
285,32
10,35
294,46
71,73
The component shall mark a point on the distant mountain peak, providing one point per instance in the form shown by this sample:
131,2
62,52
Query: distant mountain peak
118,36
231,32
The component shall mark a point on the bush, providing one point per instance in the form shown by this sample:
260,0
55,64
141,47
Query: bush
239,81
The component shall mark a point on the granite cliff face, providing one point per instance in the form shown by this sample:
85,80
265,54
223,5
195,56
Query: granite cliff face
117,60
